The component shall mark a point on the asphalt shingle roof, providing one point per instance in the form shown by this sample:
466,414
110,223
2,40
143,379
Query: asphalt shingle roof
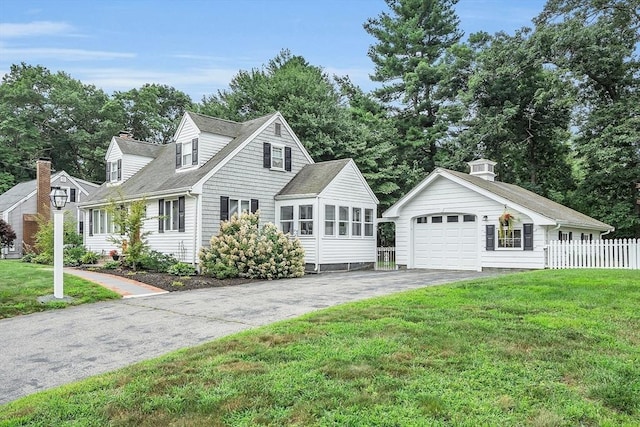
533,201
23,189
313,178
138,148
160,175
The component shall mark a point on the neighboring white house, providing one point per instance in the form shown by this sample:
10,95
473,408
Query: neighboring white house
215,168
19,205
452,220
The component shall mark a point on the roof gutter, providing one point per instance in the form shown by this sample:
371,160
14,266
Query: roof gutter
155,194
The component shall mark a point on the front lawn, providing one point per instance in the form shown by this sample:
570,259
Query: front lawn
22,283
545,348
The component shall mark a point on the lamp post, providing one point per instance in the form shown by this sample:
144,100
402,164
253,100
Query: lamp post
58,198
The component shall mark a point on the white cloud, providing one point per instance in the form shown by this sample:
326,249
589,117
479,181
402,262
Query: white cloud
196,82
28,54
33,29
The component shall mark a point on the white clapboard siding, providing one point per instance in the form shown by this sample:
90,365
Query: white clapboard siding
610,253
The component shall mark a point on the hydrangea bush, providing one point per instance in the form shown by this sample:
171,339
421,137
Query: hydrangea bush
243,249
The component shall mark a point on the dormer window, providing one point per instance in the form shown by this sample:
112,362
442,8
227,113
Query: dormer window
114,171
187,153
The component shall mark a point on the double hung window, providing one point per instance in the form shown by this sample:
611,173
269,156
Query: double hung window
305,219
286,219
343,221
329,220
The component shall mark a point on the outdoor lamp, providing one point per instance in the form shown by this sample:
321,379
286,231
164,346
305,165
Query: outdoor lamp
58,197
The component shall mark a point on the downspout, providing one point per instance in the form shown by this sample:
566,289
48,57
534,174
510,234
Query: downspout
195,227
606,232
318,237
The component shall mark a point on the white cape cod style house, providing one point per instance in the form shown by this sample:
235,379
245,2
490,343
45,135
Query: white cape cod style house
459,221
216,168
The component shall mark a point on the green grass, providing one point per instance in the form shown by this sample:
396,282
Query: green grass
22,283
545,348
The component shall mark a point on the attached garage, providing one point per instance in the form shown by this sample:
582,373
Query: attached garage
446,241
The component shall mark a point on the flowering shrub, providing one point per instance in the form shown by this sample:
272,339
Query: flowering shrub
243,249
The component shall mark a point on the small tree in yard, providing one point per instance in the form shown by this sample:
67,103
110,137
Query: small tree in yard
243,249
7,235
129,223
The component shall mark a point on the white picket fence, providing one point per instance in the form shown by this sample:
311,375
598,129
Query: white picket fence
610,253
386,259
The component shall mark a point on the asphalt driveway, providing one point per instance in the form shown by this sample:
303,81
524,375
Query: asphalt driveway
48,349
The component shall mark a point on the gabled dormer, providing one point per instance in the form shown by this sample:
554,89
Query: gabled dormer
198,138
126,156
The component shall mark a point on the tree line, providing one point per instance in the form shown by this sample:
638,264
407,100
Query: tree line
556,105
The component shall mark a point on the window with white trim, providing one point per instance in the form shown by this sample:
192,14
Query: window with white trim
286,219
277,157
368,222
187,151
171,214
510,238
100,221
356,222
113,174
343,221
329,220
305,220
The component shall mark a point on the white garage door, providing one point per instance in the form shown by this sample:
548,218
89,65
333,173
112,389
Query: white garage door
447,241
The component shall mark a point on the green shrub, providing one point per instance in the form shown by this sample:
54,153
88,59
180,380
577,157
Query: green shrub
44,239
111,265
73,255
28,257
156,261
182,269
243,249
89,258
43,258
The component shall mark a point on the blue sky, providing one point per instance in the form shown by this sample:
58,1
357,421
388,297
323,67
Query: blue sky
197,46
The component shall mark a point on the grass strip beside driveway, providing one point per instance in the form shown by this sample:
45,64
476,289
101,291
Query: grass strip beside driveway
538,348
22,283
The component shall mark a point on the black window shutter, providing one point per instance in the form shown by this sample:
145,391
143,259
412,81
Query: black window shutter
254,205
194,151
559,235
224,208
90,222
528,236
160,216
181,214
287,159
108,172
266,155
72,195
178,155
119,169
570,236
81,227
491,237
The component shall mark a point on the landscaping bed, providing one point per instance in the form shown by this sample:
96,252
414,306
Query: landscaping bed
170,282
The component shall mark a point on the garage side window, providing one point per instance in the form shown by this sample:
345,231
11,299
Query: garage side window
510,238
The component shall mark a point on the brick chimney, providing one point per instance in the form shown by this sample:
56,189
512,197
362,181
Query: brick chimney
43,187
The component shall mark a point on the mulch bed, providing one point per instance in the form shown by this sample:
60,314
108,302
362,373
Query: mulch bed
172,283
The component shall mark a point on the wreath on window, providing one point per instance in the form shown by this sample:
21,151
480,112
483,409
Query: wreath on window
506,221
